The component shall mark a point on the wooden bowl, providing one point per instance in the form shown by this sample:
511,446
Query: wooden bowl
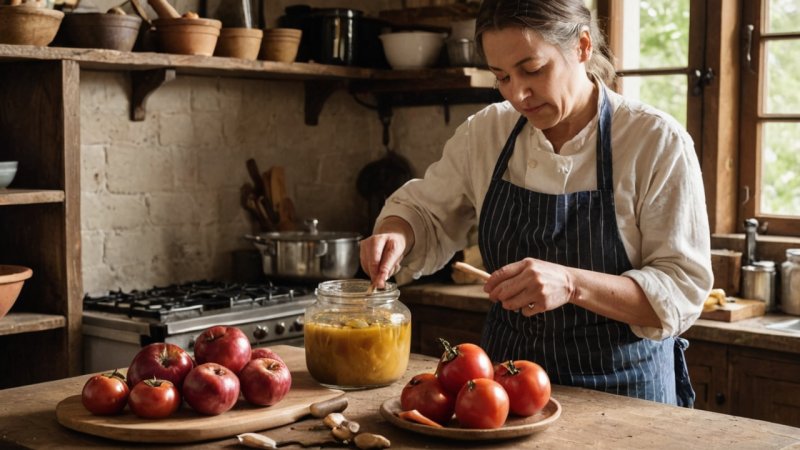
28,25
98,30
243,43
11,280
280,44
186,36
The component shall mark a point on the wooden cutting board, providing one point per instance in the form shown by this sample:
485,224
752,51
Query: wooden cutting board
189,426
739,309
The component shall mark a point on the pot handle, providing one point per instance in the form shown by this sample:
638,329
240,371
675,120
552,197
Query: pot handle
321,249
267,247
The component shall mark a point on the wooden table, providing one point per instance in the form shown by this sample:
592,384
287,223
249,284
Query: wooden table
589,419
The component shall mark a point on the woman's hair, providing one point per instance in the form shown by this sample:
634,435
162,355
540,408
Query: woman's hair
559,22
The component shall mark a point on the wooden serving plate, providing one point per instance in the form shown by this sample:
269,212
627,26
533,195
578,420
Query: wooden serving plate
189,426
514,426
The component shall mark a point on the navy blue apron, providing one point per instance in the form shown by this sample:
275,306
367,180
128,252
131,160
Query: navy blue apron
574,345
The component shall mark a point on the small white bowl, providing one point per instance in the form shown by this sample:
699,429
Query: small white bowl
8,170
412,49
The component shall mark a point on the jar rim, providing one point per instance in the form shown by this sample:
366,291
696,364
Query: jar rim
356,289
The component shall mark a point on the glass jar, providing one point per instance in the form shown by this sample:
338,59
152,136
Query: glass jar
790,282
355,339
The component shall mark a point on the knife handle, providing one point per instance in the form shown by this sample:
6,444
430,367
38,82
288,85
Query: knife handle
325,407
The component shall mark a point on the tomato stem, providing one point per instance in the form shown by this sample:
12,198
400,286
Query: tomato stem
512,369
450,352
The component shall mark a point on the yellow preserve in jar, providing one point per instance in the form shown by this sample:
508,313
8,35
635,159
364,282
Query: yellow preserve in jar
356,339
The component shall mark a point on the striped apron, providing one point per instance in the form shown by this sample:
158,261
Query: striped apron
574,345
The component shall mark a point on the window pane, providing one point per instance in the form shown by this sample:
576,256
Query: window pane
783,77
656,34
780,169
665,92
784,16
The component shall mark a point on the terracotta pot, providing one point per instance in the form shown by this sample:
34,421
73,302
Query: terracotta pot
99,30
28,25
243,43
280,44
186,36
11,280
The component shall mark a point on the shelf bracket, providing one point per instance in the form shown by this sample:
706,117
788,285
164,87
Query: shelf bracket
316,94
143,83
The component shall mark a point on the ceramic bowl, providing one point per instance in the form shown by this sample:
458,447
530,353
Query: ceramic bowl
188,36
243,43
11,280
8,170
99,30
280,44
28,25
412,49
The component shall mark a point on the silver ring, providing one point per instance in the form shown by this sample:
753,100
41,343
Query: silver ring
531,305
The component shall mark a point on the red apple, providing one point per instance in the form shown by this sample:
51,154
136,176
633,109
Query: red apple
162,361
265,381
264,352
211,389
228,346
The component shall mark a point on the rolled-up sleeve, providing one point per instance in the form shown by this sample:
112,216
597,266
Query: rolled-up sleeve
675,270
439,207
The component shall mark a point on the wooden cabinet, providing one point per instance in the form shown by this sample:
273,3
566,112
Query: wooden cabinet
756,383
40,219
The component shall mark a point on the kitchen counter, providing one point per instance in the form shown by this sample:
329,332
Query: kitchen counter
589,419
750,333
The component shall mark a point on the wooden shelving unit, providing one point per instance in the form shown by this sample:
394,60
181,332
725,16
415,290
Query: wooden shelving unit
40,128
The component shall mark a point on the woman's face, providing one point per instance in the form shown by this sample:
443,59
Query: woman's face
542,83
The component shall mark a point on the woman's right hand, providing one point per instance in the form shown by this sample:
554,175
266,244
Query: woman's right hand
382,252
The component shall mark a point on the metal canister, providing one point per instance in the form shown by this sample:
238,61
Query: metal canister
790,282
758,282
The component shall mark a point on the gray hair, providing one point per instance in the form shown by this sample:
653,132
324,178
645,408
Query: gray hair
559,22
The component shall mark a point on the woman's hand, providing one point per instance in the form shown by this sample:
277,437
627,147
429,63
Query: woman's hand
382,252
531,286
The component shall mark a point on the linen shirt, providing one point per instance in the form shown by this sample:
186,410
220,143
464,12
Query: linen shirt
658,191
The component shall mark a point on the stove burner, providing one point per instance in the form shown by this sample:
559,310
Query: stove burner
192,299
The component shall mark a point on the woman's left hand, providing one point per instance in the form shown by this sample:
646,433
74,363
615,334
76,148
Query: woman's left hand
531,286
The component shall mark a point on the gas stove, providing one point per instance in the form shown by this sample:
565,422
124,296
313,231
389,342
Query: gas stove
117,324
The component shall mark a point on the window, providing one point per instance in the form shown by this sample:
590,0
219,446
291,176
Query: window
769,169
750,151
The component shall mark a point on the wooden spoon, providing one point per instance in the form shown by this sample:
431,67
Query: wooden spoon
472,270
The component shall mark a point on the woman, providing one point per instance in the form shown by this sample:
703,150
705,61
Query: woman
590,209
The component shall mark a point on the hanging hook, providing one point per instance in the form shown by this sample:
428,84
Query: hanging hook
385,115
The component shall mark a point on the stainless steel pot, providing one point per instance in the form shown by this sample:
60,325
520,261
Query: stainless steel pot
308,255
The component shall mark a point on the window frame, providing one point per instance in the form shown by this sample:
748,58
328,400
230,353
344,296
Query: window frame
753,75
726,149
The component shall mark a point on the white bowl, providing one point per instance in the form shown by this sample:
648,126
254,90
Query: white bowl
8,170
412,49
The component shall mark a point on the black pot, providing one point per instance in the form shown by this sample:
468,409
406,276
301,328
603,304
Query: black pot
338,35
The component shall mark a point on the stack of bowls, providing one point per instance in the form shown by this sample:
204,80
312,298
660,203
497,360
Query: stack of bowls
8,170
280,44
99,30
188,36
28,25
239,42
412,49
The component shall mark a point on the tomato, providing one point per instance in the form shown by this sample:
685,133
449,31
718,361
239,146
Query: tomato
426,394
527,385
154,399
482,403
462,363
105,394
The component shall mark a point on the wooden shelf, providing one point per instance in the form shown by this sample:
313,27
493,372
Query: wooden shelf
22,322
447,85
29,197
